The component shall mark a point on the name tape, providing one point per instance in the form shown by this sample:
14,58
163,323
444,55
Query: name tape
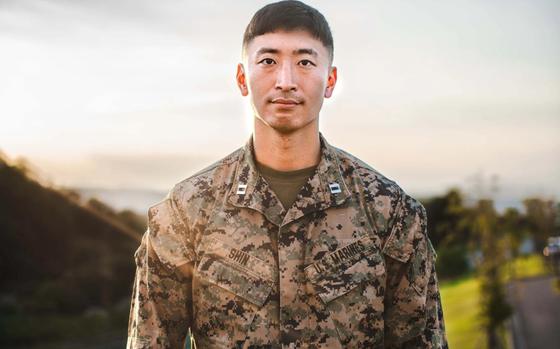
340,256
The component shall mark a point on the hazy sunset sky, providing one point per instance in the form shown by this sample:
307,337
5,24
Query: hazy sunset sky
140,94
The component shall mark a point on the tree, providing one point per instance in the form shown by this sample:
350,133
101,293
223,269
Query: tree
448,219
449,230
495,309
541,219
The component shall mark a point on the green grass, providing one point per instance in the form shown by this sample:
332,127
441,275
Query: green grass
460,300
526,266
461,297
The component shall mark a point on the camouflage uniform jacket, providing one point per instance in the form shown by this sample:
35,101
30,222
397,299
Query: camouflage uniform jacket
349,265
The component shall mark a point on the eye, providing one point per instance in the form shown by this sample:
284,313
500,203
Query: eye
267,61
307,63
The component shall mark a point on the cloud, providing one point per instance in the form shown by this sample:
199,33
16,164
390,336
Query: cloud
428,93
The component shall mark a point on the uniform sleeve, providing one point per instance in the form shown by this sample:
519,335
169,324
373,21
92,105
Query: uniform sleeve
160,312
413,312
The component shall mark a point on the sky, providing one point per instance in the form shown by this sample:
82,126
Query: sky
141,94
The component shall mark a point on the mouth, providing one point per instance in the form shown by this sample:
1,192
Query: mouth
286,102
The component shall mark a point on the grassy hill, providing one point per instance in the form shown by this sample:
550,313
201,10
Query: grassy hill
60,258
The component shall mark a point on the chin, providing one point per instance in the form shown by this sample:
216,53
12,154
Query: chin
285,129
285,123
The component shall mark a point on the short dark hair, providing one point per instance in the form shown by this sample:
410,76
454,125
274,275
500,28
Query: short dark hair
289,15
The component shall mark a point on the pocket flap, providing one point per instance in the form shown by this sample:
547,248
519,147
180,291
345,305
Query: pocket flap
410,223
340,271
236,271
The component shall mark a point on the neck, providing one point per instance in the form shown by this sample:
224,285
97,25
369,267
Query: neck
287,152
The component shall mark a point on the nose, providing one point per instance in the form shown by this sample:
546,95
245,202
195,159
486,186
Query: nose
285,79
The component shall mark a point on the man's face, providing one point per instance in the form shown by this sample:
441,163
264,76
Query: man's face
287,75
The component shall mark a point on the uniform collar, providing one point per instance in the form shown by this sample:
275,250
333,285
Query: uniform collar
324,189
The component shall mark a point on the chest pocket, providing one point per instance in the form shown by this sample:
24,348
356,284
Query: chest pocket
350,281
232,286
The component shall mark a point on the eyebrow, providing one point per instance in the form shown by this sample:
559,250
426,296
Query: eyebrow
301,51
306,51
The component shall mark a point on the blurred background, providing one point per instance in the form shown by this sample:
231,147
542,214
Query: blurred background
105,104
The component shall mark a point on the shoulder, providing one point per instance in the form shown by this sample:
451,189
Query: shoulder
400,218
207,178
171,220
200,190
377,189
373,181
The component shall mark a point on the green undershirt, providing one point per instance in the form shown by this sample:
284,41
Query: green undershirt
286,184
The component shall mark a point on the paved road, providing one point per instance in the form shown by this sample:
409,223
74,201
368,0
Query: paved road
536,322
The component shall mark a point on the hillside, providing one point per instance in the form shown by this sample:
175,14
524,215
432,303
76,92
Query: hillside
59,256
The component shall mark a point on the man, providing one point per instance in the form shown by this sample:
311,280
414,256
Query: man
288,242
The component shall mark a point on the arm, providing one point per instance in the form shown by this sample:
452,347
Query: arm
413,312
434,332
160,312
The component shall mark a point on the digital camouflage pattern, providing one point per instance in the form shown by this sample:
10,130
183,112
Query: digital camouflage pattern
349,265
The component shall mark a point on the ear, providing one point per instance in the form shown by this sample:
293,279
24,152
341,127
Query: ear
331,82
241,80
